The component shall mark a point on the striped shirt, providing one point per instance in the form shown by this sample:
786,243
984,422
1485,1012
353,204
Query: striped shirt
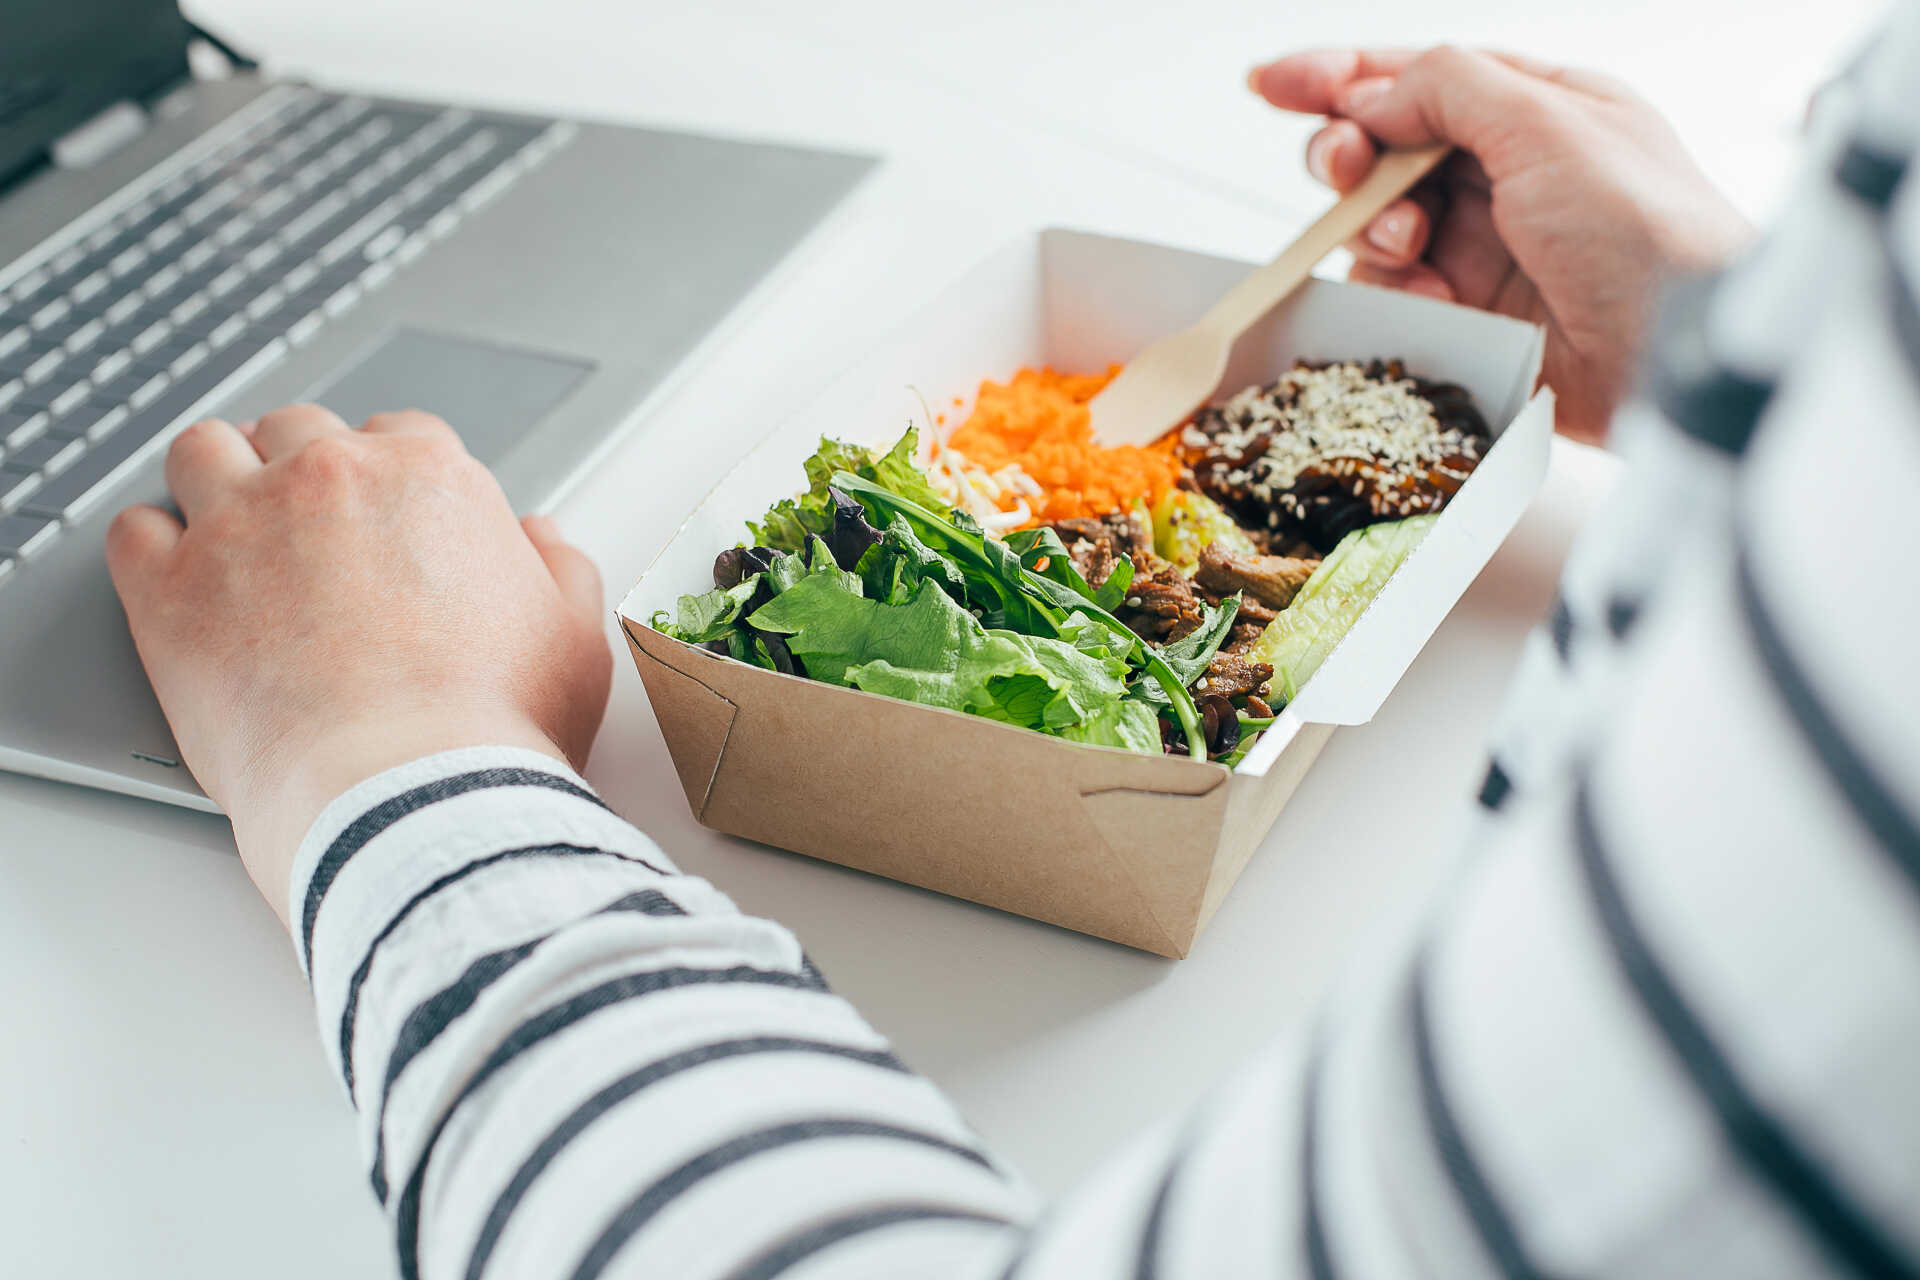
1666,1022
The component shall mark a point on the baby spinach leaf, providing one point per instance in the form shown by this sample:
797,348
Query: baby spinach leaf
1010,595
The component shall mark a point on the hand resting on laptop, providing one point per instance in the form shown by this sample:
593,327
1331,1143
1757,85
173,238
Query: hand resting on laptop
337,602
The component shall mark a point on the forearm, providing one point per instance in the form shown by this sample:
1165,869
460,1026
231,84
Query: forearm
563,1051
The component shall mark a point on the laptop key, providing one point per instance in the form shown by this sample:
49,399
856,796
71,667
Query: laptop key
72,493
110,367
85,336
48,453
22,535
152,338
90,287
19,424
71,399
57,332
94,422
51,314
60,394
43,367
16,487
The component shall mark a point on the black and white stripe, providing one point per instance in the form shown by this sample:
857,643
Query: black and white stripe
1491,1221
651,901
363,829
1764,1142
576,1122
654,1198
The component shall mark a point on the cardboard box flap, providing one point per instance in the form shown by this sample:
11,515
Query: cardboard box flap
701,716
1151,836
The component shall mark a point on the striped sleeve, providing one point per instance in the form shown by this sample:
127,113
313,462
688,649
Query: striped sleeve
570,1059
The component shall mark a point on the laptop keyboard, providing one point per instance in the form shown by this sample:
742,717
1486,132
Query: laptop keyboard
209,270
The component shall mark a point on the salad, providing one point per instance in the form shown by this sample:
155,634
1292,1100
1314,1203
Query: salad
1165,599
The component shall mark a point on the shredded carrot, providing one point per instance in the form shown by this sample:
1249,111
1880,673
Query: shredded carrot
1040,422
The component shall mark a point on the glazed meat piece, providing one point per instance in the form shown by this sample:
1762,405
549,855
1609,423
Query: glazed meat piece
1097,545
1230,676
1094,556
1272,580
1247,624
1329,448
1162,605
1252,610
1242,637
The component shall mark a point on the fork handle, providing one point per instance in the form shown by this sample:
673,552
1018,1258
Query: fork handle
1264,288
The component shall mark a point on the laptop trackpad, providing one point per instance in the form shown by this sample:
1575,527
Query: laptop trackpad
492,395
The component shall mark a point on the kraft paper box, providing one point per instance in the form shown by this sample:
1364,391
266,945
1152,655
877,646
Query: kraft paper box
1137,849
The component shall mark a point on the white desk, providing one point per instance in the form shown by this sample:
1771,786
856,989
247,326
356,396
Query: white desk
164,1108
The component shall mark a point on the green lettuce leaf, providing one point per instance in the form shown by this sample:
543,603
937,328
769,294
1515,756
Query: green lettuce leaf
1009,595
893,567
898,473
791,521
1129,724
1332,600
930,650
709,616
720,614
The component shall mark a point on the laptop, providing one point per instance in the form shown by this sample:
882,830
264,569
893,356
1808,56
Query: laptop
173,248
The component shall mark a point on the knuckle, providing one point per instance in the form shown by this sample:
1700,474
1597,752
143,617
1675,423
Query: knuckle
328,460
432,423
284,412
418,421
194,438
123,532
130,534
1443,60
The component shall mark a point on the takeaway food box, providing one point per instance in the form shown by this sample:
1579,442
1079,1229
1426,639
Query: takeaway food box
1137,849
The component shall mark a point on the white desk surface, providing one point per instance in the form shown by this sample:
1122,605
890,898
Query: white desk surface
164,1107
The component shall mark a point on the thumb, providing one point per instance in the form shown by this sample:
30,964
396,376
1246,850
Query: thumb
578,579
1476,101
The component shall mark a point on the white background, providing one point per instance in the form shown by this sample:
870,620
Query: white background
164,1108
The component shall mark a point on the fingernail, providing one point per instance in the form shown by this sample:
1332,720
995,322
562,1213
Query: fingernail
1317,158
1364,94
1392,232
542,525
1253,78
248,427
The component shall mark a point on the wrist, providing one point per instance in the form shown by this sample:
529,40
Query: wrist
288,786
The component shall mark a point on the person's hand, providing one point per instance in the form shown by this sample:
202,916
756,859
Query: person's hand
1571,198
339,602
